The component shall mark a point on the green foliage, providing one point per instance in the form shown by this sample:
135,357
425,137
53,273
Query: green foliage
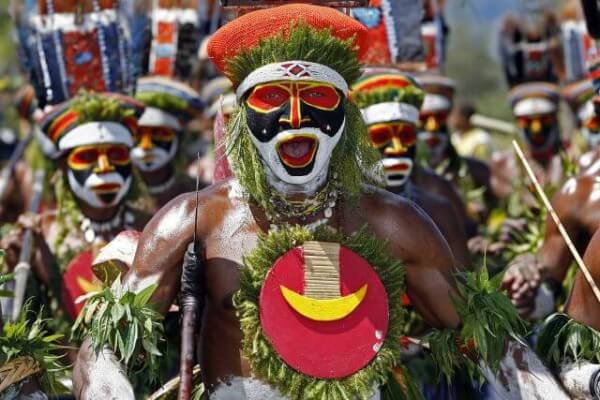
257,348
91,106
163,101
4,278
23,338
302,42
488,320
410,95
564,338
128,324
352,156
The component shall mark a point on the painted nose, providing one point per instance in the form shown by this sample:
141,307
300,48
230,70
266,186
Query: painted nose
395,148
103,165
146,141
431,125
536,126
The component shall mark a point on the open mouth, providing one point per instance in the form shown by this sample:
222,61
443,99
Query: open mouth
107,188
297,151
537,139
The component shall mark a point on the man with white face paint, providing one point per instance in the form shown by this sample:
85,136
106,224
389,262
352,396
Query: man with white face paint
90,138
535,108
169,106
389,101
468,174
302,229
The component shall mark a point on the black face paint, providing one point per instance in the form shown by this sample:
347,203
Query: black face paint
266,125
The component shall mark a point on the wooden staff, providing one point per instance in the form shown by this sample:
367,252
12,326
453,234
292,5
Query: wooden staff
23,268
561,228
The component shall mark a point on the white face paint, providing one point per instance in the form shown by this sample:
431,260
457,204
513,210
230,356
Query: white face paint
152,159
437,143
274,151
397,170
98,187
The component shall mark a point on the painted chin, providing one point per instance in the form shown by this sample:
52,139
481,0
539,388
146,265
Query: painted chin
397,171
298,157
593,139
100,191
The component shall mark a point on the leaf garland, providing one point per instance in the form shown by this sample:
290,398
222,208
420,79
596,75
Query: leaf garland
257,348
129,325
413,95
23,338
562,337
488,320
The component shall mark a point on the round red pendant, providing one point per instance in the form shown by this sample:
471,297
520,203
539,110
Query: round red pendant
324,349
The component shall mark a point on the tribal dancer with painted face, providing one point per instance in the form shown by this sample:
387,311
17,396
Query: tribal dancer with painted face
468,174
389,101
300,254
170,103
86,137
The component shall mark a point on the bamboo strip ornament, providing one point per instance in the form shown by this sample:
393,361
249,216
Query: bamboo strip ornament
580,264
16,370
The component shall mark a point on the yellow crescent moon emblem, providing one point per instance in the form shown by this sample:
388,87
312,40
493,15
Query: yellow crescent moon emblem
327,309
87,286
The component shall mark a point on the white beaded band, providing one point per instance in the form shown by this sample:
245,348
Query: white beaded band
435,103
533,106
96,132
390,111
292,71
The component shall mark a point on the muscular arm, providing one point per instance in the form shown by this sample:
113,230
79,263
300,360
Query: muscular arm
416,241
158,260
554,253
444,216
583,307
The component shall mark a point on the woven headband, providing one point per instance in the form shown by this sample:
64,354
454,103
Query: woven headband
292,71
390,111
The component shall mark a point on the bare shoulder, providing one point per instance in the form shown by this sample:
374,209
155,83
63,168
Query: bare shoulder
409,230
575,192
180,211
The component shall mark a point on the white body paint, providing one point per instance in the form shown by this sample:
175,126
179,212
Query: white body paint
253,389
523,376
576,378
107,377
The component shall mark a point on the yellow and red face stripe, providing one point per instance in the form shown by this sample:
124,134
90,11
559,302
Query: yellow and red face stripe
85,157
62,124
271,96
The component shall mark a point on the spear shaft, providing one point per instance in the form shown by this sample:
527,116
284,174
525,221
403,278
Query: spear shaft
578,260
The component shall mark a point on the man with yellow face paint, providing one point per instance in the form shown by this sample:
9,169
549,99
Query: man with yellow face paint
169,106
468,174
535,107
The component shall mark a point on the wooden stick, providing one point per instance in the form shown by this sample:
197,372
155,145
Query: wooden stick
561,228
